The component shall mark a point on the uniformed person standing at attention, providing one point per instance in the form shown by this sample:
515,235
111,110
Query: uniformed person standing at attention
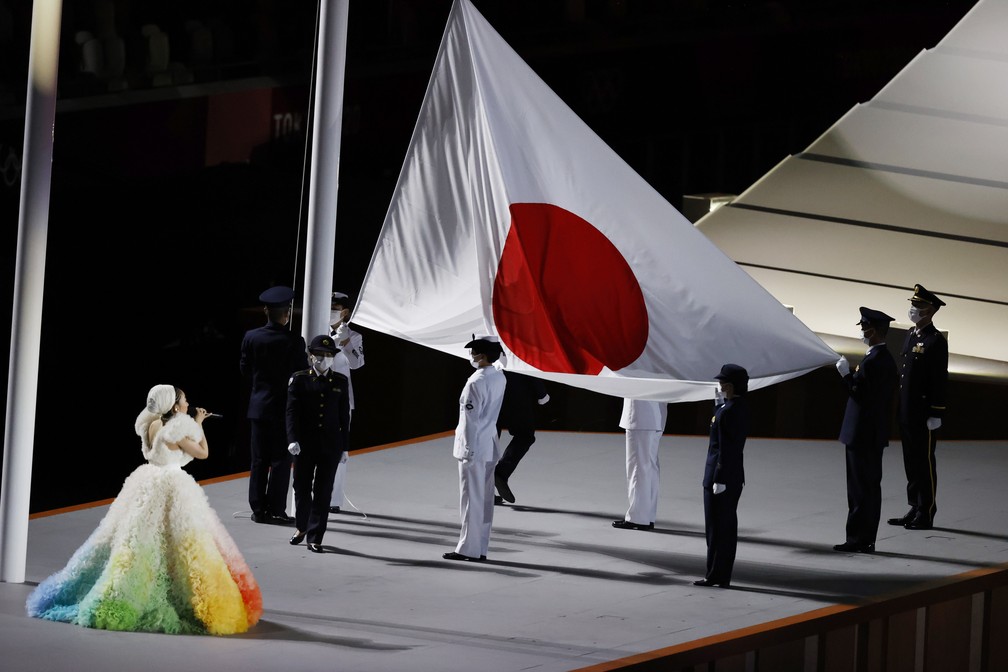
477,449
318,429
724,474
865,430
923,379
269,355
644,422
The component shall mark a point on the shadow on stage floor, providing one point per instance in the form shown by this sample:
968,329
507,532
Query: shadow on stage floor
561,588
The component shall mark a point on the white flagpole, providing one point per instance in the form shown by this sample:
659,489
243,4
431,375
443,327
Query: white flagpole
29,280
320,248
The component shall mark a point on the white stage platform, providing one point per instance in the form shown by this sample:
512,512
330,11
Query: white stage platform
561,589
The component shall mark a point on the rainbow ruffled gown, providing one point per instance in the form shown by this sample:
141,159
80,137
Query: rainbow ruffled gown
160,560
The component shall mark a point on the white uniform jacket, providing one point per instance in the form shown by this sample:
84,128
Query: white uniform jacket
350,356
479,405
644,414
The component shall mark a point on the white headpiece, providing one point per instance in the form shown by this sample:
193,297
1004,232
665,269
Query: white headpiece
160,399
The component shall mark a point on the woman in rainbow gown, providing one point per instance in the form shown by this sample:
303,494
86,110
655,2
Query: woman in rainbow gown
160,560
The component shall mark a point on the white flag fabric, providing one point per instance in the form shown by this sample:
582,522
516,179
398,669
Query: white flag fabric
512,218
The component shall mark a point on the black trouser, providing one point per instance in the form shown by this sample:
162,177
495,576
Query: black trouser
864,493
721,526
919,462
314,471
269,474
522,439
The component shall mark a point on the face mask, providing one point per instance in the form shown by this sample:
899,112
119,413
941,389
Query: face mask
335,316
865,338
322,364
914,315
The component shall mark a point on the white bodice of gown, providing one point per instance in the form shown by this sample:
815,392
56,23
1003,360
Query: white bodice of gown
179,427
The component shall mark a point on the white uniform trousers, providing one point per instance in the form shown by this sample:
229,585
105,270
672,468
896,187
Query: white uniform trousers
476,506
339,483
643,475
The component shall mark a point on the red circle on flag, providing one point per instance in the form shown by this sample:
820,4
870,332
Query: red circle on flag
564,299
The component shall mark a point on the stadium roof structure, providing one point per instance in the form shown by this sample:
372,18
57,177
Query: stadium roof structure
909,187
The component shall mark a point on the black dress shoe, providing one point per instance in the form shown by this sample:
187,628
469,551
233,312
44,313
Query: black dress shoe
919,523
280,519
315,548
503,489
334,509
854,547
259,517
627,525
910,515
498,500
297,538
452,555
706,583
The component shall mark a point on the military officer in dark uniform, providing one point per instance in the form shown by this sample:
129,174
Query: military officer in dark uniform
318,432
522,397
724,475
923,379
865,430
269,355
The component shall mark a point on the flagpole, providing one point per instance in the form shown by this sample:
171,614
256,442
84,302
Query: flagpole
29,280
323,184
320,249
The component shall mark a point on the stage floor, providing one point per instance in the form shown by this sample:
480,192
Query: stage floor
561,589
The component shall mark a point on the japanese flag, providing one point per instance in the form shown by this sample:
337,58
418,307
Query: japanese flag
512,218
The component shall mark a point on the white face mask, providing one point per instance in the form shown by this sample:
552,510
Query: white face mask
322,364
475,360
914,314
865,338
335,316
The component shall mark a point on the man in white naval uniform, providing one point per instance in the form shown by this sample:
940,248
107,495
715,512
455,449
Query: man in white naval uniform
644,422
350,357
477,449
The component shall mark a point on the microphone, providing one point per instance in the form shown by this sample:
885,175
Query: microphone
192,413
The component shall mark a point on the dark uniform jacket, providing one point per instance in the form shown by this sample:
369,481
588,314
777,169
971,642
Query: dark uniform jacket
269,355
521,399
318,411
729,429
872,388
924,376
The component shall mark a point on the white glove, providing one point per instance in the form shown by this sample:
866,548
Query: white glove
544,400
718,395
719,488
933,423
294,448
341,333
344,457
843,366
